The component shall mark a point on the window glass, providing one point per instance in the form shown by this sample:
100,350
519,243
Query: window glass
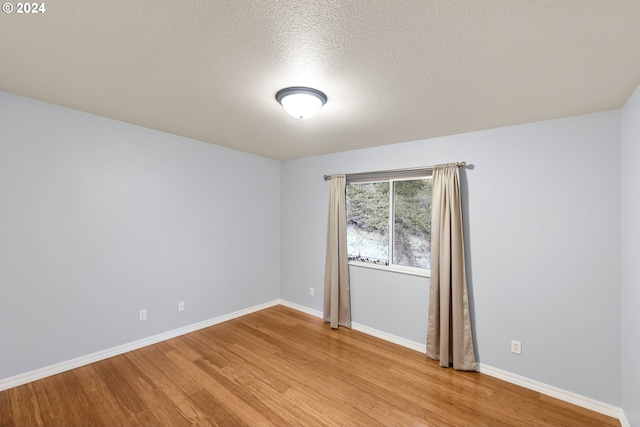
368,222
389,222
412,223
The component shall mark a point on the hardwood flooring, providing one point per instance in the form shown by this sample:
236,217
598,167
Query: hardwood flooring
280,367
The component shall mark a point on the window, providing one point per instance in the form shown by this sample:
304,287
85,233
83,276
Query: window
389,223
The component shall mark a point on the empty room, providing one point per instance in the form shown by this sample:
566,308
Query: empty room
320,213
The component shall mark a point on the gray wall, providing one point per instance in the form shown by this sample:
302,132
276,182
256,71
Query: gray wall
100,218
630,315
542,213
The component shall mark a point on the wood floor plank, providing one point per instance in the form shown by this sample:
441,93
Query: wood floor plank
280,367
120,387
6,417
237,394
217,413
50,397
100,398
333,379
167,399
24,403
68,400
352,387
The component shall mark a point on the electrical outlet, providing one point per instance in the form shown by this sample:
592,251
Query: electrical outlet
516,347
312,292
180,305
142,315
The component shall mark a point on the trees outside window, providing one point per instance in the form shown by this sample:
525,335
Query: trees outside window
389,222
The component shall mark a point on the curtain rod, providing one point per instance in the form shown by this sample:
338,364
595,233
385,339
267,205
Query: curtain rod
426,168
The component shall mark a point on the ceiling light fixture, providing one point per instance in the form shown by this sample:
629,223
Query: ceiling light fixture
301,102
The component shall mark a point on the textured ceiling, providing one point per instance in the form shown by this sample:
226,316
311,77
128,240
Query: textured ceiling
393,71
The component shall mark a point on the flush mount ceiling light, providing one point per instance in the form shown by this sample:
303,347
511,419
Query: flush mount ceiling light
301,102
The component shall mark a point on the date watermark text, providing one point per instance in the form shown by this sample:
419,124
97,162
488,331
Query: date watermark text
24,8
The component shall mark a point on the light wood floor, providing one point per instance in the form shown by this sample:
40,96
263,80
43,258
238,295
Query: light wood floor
280,367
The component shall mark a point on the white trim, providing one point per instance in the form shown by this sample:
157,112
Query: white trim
422,348
393,268
567,396
48,371
623,419
564,395
363,328
302,308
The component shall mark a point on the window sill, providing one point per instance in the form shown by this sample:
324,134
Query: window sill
392,269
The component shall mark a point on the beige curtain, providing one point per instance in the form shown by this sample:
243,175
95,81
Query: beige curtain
449,336
337,302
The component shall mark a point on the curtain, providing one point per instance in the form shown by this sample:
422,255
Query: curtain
337,301
449,335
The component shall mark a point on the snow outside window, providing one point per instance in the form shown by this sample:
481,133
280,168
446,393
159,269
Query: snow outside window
389,223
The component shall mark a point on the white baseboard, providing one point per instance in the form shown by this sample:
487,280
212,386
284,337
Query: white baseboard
624,422
58,368
301,308
548,390
422,348
564,395
527,383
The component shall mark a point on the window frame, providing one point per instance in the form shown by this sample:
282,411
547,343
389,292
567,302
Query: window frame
391,267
